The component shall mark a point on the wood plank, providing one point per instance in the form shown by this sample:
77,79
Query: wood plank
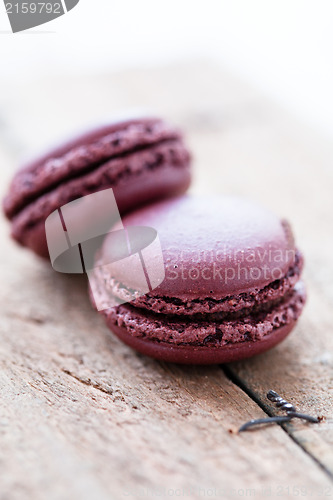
83,415
82,407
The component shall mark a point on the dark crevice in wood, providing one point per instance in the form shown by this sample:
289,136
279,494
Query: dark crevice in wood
235,379
89,382
27,319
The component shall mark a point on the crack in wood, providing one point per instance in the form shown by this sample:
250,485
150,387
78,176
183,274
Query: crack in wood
35,320
89,382
234,378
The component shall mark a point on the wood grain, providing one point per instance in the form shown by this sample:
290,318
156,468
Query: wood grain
83,416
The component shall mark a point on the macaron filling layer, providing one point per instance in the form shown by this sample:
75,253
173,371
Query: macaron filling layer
206,322
173,305
82,155
112,173
209,329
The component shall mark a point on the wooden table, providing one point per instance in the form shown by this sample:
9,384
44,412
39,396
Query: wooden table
82,416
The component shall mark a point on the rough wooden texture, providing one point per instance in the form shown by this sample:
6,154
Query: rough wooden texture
83,416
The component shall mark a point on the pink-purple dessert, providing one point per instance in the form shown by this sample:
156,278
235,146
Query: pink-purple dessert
141,159
232,286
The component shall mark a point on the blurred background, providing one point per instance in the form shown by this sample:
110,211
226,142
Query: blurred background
283,48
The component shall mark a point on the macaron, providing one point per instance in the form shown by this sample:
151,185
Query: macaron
232,286
141,159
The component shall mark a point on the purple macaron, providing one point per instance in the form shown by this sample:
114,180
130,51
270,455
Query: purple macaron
141,159
232,285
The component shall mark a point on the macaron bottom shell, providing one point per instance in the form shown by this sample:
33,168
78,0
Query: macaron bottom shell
201,355
192,341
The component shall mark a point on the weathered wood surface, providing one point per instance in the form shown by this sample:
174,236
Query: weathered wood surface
83,416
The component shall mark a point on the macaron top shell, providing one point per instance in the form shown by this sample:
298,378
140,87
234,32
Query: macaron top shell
213,247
